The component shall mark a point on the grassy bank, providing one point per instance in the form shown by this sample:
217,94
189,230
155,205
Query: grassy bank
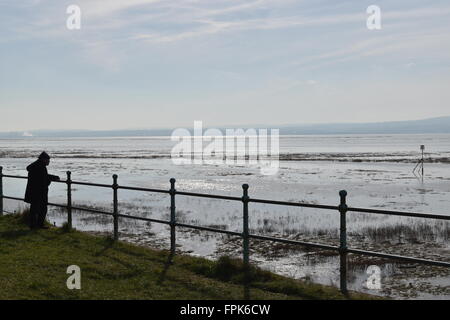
33,265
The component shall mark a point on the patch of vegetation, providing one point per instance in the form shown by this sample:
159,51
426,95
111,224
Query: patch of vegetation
23,217
413,233
66,228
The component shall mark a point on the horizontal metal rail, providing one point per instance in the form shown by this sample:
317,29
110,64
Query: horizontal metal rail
402,213
14,177
143,189
294,204
231,233
342,249
295,242
13,198
204,195
90,210
88,184
143,219
64,206
398,257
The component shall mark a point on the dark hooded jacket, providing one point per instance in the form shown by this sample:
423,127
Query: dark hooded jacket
38,182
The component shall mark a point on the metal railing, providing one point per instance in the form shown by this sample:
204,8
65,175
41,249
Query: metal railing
342,208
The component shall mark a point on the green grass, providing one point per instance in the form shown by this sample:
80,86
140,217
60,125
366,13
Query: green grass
33,265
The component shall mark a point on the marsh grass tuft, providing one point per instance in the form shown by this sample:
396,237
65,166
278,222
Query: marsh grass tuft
23,217
66,228
234,270
423,232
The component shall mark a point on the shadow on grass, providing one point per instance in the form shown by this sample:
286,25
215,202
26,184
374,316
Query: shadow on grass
246,288
209,291
111,246
130,252
109,243
50,235
15,234
167,265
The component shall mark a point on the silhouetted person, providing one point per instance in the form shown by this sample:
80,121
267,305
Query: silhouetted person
37,190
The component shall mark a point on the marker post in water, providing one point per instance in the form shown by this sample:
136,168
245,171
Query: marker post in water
420,163
422,148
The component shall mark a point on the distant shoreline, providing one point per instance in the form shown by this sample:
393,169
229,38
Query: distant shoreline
439,125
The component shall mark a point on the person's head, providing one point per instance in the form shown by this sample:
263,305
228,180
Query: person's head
45,158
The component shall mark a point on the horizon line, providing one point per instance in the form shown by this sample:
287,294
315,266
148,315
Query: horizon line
223,126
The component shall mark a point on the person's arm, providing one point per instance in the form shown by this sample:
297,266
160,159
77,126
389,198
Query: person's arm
53,178
50,177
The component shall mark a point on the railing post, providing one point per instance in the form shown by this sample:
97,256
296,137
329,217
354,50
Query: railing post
1,191
115,186
69,199
245,234
343,242
172,217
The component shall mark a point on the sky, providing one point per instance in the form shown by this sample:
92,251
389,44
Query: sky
166,63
